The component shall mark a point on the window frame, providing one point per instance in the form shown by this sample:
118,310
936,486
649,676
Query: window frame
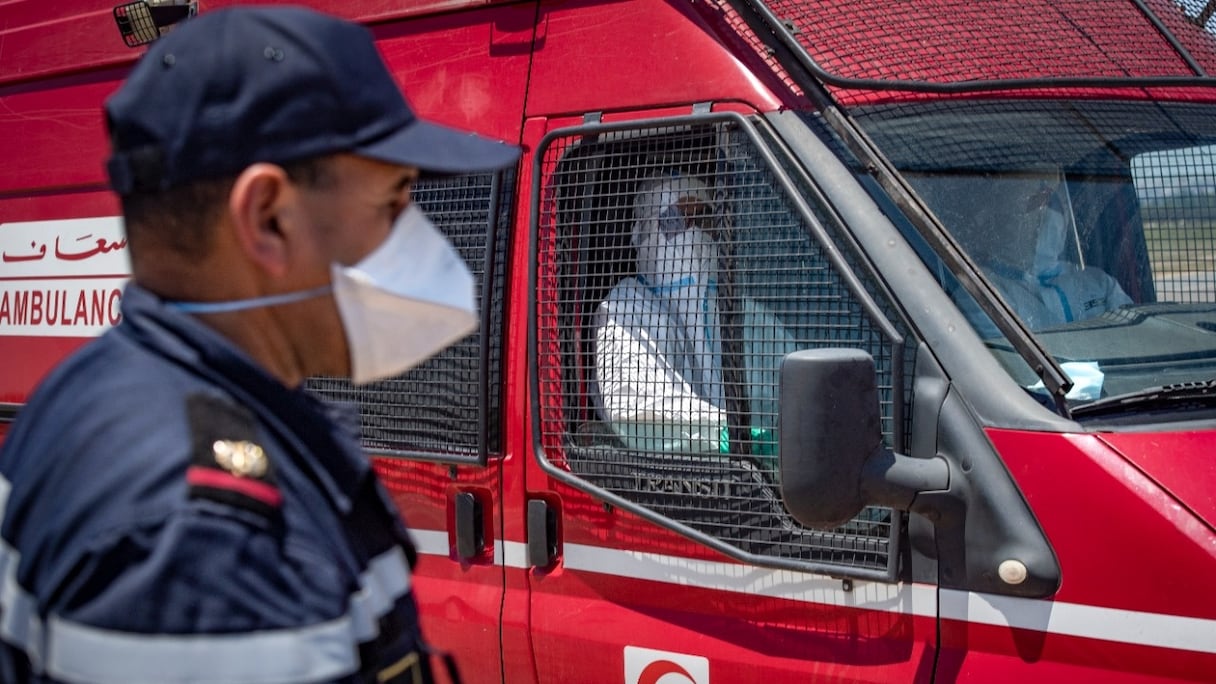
551,458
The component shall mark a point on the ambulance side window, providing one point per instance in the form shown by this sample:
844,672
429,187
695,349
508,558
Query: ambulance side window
674,272
449,407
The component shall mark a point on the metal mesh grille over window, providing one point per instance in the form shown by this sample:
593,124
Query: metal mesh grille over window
1178,203
1138,180
953,41
441,407
674,274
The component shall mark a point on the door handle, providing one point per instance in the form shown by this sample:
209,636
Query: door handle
470,527
542,533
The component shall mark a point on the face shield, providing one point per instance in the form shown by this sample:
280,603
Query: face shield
1050,211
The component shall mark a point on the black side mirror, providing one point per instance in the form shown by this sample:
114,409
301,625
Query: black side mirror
833,463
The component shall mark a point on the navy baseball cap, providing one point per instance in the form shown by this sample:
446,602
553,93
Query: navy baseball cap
243,85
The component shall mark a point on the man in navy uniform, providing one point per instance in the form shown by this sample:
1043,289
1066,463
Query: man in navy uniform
176,508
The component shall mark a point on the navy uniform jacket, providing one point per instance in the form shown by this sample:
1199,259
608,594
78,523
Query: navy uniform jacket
171,513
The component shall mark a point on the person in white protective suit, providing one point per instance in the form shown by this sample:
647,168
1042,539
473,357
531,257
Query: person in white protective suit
1053,290
658,341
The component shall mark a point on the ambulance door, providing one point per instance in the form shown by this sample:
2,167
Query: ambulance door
440,435
658,546
436,437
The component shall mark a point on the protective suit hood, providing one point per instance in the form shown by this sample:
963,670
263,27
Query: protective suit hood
672,215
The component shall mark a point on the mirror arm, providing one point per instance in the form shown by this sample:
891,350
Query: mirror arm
895,480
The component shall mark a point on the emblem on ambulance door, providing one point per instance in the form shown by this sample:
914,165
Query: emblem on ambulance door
648,666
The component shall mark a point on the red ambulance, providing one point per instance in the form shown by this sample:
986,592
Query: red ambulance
972,436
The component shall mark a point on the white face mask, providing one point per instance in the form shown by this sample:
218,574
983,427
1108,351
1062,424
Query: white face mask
408,299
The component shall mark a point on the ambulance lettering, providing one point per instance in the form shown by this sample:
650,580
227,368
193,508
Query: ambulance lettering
60,307
648,666
71,289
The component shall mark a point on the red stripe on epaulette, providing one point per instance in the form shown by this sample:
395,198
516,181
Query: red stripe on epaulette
199,476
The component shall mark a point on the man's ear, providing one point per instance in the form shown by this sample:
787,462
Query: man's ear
256,204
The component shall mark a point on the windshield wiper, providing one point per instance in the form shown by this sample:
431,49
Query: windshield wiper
1175,396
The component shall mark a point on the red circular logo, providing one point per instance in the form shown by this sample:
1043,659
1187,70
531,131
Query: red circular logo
660,668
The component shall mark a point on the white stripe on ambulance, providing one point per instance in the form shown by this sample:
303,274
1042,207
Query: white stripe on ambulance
921,600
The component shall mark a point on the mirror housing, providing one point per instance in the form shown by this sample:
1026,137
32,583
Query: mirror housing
832,460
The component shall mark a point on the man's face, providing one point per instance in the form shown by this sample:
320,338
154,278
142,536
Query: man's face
354,207
345,217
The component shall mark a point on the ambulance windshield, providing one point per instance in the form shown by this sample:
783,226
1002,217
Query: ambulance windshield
1094,220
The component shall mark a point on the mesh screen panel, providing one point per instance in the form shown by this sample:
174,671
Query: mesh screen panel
1095,137
440,407
1140,177
1179,222
141,22
951,41
1191,22
659,344
135,24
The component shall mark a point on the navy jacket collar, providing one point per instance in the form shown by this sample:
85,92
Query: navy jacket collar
326,435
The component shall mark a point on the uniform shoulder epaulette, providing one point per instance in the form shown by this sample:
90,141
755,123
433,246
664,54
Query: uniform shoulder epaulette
227,464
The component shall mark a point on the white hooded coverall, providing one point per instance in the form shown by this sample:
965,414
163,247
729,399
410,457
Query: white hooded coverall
658,342
1055,291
